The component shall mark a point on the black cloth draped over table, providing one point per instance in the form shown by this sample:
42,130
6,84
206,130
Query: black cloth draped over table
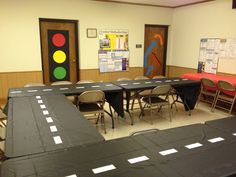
198,150
187,90
47,136
34,121
113,93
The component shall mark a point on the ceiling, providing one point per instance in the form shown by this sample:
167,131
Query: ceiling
159,3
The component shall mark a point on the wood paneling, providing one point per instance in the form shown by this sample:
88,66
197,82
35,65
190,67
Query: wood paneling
176,71
94,74
19,79
226,74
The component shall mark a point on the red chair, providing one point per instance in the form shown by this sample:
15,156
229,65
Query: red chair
226,94
208,92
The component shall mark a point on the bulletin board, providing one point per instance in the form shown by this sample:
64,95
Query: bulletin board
211,49
113,53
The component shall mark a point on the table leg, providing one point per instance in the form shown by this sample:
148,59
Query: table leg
128,94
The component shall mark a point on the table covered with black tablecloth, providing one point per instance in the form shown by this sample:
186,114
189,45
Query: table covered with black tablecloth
196,150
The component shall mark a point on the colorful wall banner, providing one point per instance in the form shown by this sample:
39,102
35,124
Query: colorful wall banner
114,52
113,39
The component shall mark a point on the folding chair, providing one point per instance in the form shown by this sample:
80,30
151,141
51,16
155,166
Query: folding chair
158,77
139,94
34,85
226,94
125,98
85,82
91,103
2,139
208,90
3,118
158,98
71,98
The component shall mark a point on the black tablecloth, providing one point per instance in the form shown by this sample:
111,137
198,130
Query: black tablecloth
188,90
113,93
209,160
28,131
227,124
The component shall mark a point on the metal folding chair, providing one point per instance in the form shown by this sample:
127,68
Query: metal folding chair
158,98
226,94
91,103
208,92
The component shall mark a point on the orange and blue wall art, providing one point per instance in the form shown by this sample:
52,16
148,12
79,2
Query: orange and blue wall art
157,40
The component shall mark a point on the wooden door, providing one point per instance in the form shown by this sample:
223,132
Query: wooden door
155,47
59,50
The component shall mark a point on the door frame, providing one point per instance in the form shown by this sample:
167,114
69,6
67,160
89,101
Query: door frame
75,22
165,44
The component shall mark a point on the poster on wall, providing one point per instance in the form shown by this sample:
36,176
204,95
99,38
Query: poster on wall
113,54
58,55
111,61
211,49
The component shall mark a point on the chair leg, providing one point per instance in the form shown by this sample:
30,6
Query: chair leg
198,99
140,105
132,105
151,114
169,108
103,121
131,117
98,118
213,103
216,99
174,102
142,112
112,117
232,105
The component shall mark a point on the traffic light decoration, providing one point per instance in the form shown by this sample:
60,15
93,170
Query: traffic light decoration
58,55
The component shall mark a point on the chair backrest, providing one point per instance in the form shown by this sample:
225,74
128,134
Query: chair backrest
141,78
158,77
34,84
161,90
85,81
62,83
92,96
208,84
226,87
123,79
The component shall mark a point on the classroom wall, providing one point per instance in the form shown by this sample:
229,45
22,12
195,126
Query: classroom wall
214,19
20,55
19,31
